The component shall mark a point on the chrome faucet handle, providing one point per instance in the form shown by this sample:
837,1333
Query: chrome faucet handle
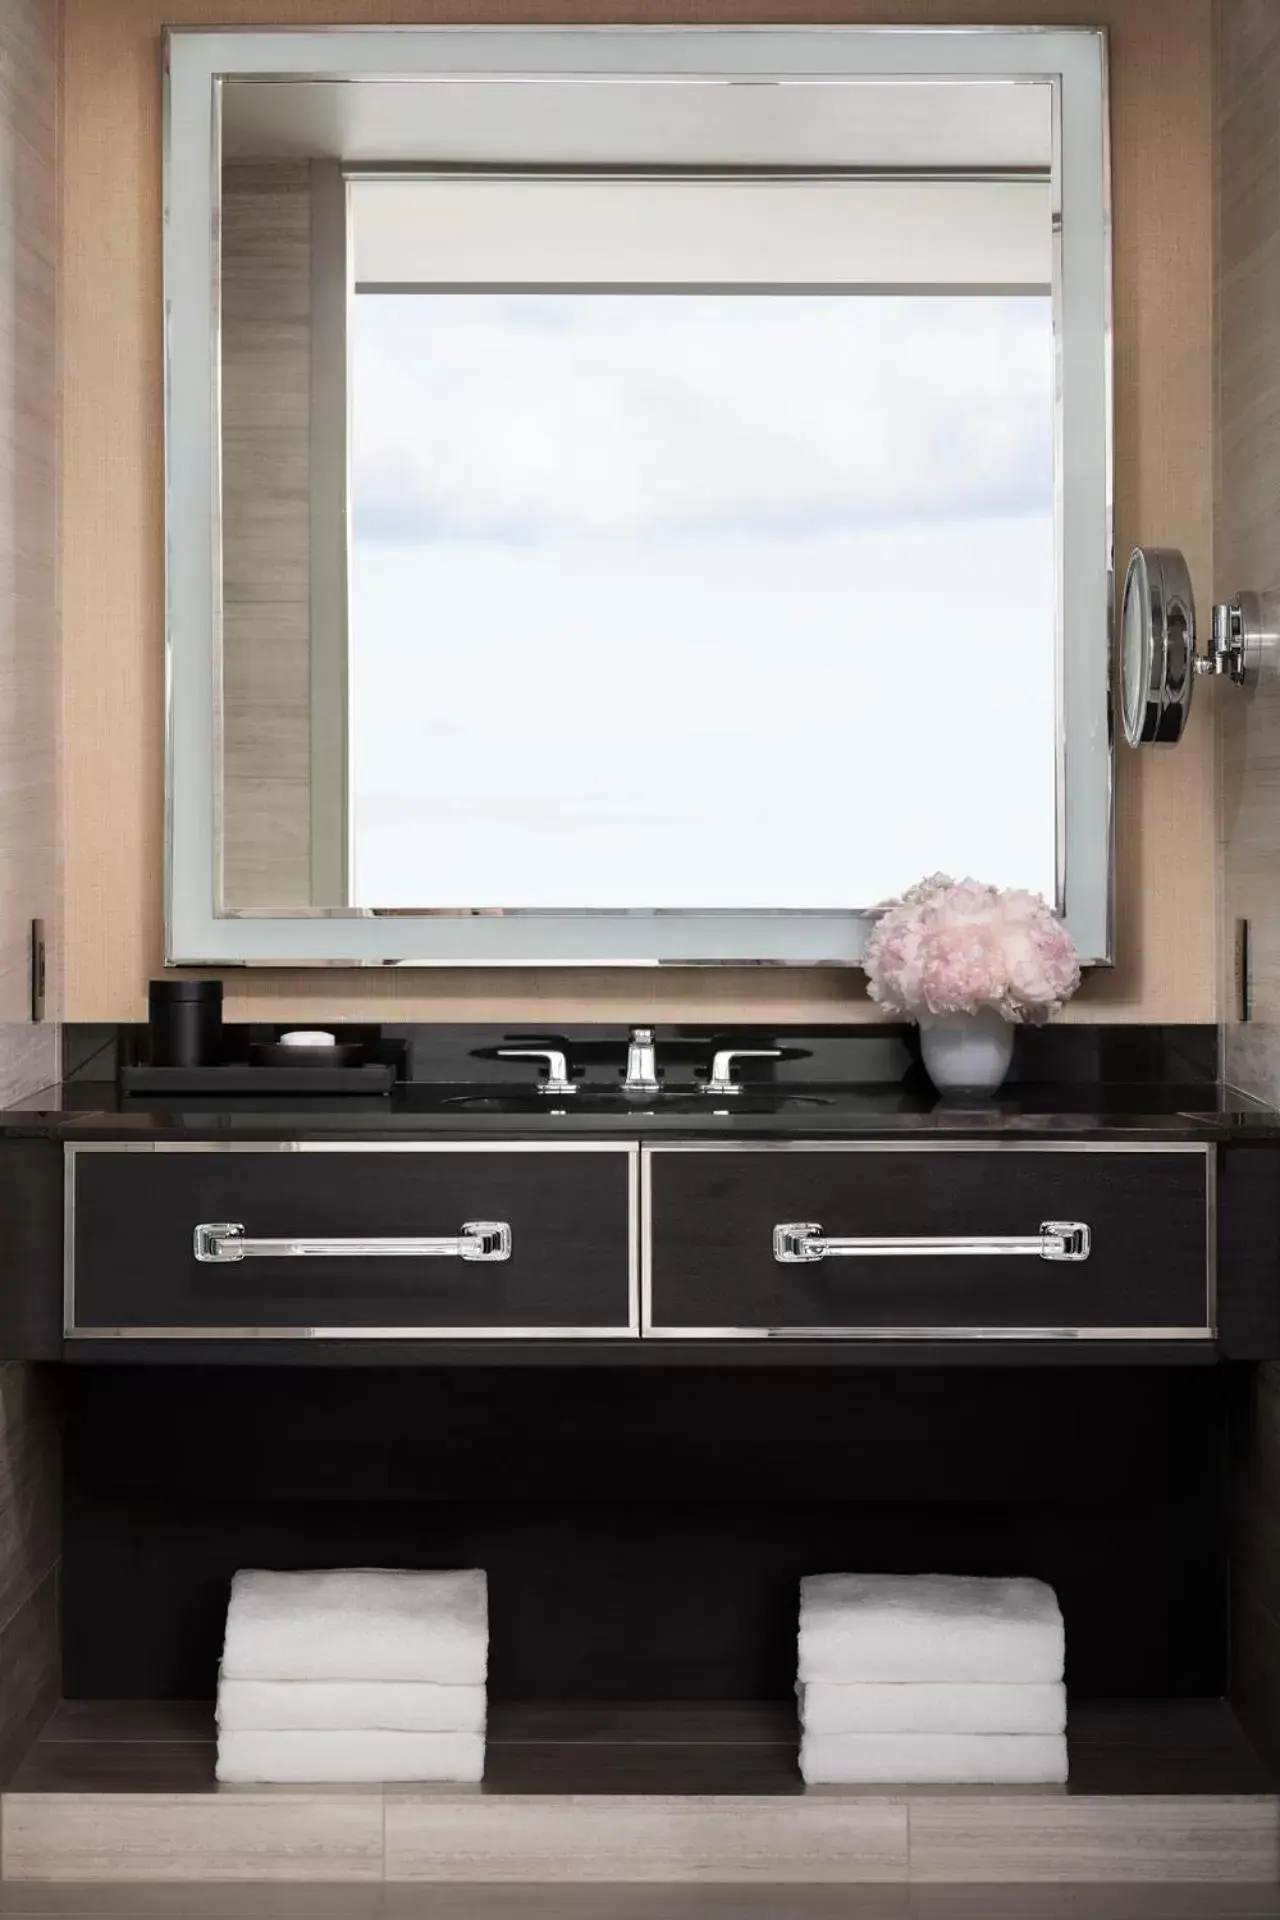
642,1063
557,1080
721,1080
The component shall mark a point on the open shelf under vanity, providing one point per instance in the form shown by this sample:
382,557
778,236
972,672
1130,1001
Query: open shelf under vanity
1132,1747
652,1791
644,1541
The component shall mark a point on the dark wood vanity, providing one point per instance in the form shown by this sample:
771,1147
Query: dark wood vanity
594,1240
565,1265
429,1235
648,1365
713,1268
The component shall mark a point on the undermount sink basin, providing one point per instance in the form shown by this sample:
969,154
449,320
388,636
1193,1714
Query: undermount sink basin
606,1100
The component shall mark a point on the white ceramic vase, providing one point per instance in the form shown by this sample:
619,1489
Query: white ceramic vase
969,1053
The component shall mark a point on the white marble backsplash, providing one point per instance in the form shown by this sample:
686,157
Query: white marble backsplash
30,1061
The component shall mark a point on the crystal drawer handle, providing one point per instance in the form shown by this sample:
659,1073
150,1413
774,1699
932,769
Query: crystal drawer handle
222,1242
800,1242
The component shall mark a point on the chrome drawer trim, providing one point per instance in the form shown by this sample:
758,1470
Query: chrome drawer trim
72,1149
853,1336
302,1335
652,1330
781,1336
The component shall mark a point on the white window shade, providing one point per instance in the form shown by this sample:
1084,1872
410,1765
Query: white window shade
437,232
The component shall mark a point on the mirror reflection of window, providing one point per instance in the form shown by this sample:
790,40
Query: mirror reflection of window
685,538
666,578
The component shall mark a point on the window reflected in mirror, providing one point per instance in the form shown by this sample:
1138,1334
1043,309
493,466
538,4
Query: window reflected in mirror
670,539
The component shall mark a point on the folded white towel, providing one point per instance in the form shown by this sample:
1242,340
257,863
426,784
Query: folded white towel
358,1623
940,1759
283,1757
929,1627
931,1707
356,1706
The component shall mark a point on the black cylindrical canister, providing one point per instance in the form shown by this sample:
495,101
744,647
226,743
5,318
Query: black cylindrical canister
186,1023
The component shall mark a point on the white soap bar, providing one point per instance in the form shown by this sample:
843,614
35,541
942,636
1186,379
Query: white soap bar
304,1038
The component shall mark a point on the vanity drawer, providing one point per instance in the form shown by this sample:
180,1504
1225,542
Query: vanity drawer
448,1242
718,1265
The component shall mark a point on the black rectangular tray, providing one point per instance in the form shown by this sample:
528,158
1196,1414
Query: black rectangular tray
238,1077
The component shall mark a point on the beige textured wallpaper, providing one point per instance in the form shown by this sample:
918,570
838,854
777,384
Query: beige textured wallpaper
112,579
1248,556
29,677
1248,525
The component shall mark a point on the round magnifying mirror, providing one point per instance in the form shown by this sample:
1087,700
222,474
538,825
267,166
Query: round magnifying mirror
1157,647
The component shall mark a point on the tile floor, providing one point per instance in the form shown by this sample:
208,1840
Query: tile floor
158,1901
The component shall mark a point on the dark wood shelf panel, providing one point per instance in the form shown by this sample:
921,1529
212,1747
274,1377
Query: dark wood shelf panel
679,1747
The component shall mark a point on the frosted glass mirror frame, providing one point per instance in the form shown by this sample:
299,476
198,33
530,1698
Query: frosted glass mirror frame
1071,60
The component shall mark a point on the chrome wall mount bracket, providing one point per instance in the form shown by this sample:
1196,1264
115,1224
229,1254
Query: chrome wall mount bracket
1244,630
1160,659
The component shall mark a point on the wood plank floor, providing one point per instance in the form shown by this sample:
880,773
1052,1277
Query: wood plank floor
1123,1748
244,1901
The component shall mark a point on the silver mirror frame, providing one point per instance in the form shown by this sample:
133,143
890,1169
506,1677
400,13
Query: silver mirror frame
1071,59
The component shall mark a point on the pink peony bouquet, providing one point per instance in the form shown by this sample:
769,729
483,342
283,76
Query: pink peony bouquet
951,947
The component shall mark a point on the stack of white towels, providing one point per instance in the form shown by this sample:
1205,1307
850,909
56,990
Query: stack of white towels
358,1674
930,1679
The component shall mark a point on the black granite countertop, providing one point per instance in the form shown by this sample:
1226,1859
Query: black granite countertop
1199,1111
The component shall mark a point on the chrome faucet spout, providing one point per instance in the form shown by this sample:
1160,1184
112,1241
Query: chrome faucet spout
642,1063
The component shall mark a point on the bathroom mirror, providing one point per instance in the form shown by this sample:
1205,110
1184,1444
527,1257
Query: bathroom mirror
660,484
